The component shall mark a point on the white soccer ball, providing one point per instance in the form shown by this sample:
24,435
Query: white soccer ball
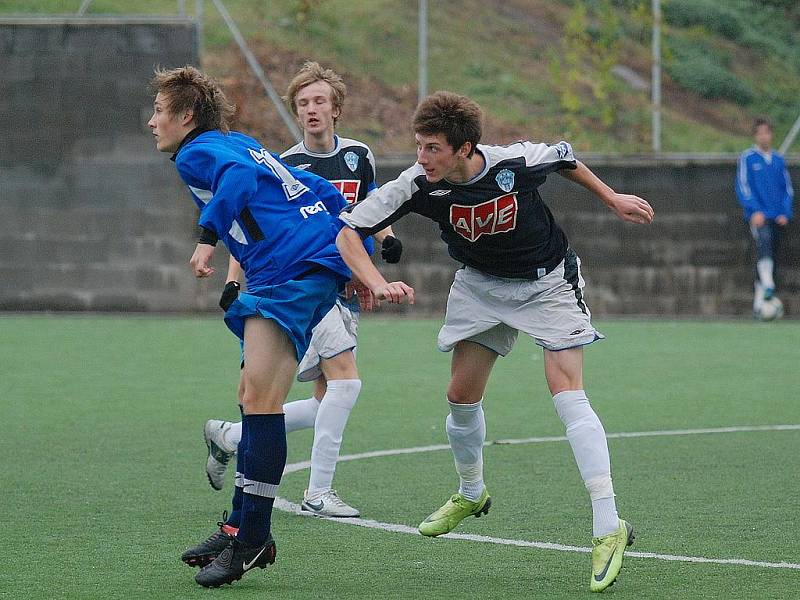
771,309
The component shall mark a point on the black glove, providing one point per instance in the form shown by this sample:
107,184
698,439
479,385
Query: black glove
229,293
391,249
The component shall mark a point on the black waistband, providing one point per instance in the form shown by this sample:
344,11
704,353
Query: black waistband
308,272
536,273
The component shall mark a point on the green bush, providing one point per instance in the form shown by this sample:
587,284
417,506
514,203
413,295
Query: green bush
697,69
712,15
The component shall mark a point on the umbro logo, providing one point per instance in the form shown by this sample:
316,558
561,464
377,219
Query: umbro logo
577,332
440,192
303,166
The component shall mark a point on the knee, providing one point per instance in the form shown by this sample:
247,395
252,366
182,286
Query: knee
458,393
341,366
256,402
240,392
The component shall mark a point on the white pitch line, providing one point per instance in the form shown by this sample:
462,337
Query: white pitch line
306,464
286,506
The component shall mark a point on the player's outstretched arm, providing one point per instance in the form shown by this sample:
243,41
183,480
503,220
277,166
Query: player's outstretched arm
352,250
626,206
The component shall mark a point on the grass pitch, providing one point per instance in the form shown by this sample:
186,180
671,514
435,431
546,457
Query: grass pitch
104,486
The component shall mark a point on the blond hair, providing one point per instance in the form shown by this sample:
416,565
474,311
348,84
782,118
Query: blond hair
311,72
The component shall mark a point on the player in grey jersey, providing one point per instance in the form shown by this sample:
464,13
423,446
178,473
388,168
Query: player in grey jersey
315,95
519,274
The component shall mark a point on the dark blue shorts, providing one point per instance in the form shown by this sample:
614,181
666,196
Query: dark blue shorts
296,306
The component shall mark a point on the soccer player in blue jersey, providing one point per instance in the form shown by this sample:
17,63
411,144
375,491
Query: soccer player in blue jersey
316,97
279,223
518,274
765,193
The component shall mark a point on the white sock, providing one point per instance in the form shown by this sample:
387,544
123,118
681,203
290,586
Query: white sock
604,516
232,436
300,414
589,447
764,268
758,297
334,410
466,430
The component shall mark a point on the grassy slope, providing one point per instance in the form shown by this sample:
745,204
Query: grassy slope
103,482
500,55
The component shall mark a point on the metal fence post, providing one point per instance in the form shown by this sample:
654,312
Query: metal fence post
656,76
422,84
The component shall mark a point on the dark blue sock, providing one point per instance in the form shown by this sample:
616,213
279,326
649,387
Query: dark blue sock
236,504
265,458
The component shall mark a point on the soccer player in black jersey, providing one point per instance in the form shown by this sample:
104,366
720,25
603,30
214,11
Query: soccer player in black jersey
316,95
518,274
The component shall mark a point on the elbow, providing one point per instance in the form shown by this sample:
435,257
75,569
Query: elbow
345,239
341,238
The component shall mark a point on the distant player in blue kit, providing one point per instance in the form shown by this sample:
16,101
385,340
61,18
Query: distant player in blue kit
765,193
519,274
279,223
316,97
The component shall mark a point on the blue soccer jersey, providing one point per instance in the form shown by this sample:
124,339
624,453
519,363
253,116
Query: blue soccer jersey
763,184
277,222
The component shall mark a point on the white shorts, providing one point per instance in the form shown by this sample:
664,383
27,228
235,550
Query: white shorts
337,332
490,311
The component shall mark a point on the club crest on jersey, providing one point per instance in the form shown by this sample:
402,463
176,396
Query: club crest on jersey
505,179
351,160
495,216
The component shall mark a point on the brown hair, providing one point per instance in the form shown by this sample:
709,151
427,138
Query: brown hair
311,72
187,88
457,117
759,121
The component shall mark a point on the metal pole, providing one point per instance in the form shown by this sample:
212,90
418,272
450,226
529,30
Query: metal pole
198,24
84,7
182,8
258,71
656,76
790,136
422,84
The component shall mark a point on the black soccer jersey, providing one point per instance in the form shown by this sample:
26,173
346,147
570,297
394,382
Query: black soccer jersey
496,222
350,166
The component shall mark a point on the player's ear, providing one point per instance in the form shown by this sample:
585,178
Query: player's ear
187,117
464,150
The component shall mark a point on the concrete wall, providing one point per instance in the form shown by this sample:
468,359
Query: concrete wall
92,217
695,259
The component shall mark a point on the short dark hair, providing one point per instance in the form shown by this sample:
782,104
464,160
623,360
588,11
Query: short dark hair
759,121
457,117
187,88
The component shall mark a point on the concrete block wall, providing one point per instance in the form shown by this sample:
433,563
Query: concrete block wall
696,259
92,217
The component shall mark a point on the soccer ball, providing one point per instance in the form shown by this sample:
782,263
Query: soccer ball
771,309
